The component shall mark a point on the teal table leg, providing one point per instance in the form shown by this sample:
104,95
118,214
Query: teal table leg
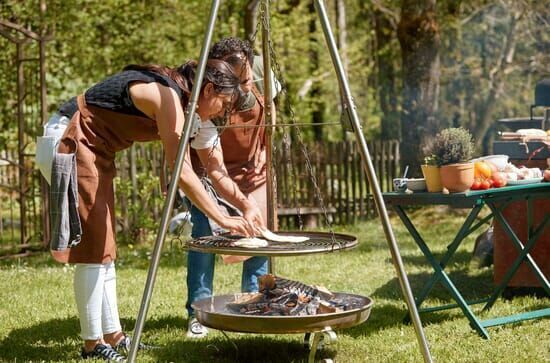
451,249
528,259
439,273
516,318
523,254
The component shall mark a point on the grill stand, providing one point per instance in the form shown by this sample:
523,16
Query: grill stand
325,337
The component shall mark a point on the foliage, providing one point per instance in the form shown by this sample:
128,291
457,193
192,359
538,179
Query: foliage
142,218
431,160
453,145
92,39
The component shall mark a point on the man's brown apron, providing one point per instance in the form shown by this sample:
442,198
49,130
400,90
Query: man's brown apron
241,145
96,134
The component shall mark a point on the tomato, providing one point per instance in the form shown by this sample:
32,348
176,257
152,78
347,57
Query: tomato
482,170
497,175
498,179
499,182
476,185
485,184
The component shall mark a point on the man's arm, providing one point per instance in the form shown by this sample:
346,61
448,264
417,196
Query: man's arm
212,159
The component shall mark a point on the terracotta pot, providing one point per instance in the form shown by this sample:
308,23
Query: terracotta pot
433,179
457,177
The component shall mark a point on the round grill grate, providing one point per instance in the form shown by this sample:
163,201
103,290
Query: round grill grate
319,242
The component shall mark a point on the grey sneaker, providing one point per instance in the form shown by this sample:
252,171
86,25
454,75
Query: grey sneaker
196,330
105,352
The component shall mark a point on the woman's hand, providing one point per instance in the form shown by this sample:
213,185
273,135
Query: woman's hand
237,225
253,216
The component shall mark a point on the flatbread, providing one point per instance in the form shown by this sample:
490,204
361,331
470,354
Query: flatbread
252,242
267,234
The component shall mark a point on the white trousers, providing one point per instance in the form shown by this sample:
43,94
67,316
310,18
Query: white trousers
95,293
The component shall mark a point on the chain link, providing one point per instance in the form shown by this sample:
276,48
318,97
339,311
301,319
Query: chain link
303,148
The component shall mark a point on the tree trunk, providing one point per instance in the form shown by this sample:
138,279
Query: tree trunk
251,19
317,106
497,80
341,29
418,34
385,29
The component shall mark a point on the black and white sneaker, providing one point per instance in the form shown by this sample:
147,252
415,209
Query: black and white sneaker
105,352
196,330
124,345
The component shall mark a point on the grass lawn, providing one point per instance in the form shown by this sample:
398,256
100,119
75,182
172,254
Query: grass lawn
38,319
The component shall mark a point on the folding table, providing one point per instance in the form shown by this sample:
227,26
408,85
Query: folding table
496,200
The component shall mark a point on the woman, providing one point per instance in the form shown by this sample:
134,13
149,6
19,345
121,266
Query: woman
141,103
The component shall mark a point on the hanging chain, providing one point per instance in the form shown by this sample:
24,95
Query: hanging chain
263,21
303,148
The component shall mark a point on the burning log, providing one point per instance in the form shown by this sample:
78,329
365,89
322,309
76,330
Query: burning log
283,297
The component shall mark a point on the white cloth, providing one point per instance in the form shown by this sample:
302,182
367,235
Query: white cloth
95,294
206,137
47,145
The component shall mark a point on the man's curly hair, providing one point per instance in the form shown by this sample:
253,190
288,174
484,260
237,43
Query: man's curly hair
229,46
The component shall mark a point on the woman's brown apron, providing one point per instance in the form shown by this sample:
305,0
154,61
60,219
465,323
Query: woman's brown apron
96,134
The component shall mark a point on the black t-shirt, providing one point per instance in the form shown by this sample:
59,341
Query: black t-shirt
113,93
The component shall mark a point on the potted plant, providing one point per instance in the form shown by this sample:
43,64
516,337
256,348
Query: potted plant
430,171
453,149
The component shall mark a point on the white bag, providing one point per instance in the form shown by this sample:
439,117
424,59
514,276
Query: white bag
46,145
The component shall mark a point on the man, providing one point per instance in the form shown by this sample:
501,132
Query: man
234,155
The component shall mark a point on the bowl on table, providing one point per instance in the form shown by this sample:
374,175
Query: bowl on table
500,161
416,184
400,184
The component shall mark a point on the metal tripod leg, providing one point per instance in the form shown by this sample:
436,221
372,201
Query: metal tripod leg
169,203
325,337
373,181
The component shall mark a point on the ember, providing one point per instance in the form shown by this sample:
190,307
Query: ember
283,297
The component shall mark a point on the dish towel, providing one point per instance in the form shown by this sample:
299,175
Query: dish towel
65,221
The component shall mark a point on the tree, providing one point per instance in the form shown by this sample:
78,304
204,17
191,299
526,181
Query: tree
385,28
419,38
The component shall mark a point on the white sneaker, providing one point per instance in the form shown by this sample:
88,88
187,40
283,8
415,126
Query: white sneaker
195,329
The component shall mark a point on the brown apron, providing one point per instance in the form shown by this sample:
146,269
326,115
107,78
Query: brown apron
240,145
98,134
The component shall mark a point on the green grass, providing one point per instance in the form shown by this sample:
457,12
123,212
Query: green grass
38,319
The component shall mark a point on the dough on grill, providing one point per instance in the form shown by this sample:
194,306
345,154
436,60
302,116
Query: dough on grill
252,242
267,234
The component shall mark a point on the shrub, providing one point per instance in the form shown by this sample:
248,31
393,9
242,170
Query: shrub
453,145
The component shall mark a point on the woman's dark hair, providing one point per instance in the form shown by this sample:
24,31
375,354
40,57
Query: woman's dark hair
218,72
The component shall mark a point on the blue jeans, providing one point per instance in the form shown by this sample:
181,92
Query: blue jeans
200,266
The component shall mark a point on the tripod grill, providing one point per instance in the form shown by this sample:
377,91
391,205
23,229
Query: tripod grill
318,242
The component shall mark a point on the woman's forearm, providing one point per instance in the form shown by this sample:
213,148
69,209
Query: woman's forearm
195,192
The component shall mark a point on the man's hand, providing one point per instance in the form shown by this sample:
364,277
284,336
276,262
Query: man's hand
237,225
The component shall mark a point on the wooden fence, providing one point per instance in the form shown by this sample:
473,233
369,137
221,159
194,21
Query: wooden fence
332,181
17,232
